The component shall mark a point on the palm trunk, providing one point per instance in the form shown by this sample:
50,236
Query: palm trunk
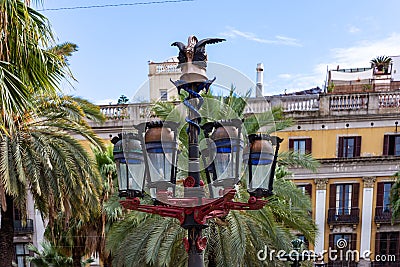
7,234
77,256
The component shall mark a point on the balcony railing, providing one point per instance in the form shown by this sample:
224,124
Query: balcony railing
385,263
344,216
137,111
295,105
389,100
21,227
342,264
348,102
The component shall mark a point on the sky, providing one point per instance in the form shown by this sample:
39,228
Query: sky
295,40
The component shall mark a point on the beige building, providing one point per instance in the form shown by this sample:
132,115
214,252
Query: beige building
160,85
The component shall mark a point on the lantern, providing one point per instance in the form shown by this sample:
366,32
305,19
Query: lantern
261,158
161,154
223,172
129,159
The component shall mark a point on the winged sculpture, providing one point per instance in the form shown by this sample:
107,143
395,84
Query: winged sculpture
195,51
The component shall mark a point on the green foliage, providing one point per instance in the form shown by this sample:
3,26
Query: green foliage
331,87
51,257
28,62
395,198
381,63
88,234
122,100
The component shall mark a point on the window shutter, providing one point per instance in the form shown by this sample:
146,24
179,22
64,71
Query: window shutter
379,196
331,244
332,196
308,145
357,150
377,244
308,189
291,144
353,242
354,200
385,145
340,147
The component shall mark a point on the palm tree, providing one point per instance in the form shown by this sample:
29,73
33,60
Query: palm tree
50,257
381,63
87,236
46,157
27,66
149,240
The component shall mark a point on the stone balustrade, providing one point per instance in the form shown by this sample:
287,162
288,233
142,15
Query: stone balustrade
389,100
348,102
293,105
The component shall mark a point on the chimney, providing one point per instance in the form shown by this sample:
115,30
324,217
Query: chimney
260,80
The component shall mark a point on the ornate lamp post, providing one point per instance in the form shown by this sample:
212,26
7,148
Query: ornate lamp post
147,160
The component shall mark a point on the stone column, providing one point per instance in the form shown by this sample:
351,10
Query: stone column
320,208
366,220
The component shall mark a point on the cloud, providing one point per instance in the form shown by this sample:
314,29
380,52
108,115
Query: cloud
105,102
353,29
360,54
278,39
356,56
285,76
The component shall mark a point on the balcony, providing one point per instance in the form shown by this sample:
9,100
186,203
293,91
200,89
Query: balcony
23,228
336,219
342,264
385,264
382,216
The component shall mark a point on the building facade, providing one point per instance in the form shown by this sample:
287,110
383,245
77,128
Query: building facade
353,130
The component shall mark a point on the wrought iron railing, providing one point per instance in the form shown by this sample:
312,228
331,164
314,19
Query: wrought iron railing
344,216
342,264
23,227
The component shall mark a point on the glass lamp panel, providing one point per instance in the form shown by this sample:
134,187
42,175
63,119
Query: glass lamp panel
122,175
158,168
160,157
135,174
260,170
226,159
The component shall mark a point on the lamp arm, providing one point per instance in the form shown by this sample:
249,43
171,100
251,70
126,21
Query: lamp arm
273,166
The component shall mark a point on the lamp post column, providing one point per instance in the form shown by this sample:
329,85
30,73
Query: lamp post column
195,249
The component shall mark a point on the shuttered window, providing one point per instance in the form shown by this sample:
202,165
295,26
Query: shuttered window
349,147
391,145
300,145
307,189
383,196
387,243
343,197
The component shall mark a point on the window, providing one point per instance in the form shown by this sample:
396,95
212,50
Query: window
302,146
387,243
163,95
21,253
349,147
343,200
341,243
306,189
391,145
383,196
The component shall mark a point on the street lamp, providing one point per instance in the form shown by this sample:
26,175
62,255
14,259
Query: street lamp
147,160
261,159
